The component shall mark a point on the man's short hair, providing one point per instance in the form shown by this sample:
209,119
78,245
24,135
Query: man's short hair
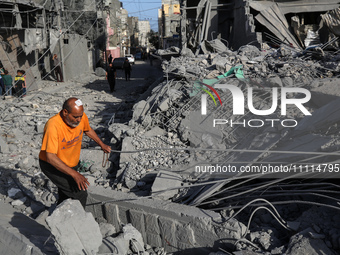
67,105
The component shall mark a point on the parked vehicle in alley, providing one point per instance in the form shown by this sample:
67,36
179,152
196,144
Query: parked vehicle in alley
131,58
118,63
138,56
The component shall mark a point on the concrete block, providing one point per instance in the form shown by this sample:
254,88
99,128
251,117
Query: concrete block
126,146
185,234
112,215
75,230
164,105
131,233
151,224
154,240
165,180
123,214
137,220
168,233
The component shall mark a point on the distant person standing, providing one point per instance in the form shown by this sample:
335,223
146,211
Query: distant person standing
8,81
127,68
110,58
111,77
57,68
150,58
20,84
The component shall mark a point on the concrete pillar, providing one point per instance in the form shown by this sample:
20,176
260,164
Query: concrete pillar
213,28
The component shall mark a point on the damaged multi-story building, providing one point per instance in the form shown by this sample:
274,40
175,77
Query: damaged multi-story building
169,17
77,31
239,22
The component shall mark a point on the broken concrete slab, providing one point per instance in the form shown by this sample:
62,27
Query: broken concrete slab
75,230
129,241
301,244
140,109
21,235
166,180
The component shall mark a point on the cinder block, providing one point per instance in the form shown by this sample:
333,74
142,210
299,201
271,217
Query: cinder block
137,220
151,224
154,240
94,207
123,214
112,215
168,234
185,234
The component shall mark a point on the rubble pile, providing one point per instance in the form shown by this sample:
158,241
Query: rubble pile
167,146
73,237
173,109
22,123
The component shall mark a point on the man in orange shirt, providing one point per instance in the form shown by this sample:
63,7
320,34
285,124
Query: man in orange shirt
60,150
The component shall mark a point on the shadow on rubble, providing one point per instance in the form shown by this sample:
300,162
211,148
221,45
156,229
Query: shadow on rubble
218,246
36,233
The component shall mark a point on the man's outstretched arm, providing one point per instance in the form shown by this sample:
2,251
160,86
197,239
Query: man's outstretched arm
92,134
81,181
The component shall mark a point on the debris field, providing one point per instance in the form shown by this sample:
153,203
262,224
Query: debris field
164,149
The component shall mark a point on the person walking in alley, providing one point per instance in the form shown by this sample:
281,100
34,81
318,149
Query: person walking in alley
57,68
111,77
60,150
127,68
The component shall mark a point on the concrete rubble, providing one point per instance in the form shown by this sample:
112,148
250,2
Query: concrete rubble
161,133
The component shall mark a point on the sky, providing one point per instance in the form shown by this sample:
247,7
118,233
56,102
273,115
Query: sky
144,10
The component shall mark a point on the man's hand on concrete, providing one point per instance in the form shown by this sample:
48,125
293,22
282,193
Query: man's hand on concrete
81,181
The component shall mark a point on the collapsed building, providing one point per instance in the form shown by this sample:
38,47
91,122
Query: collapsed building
296,23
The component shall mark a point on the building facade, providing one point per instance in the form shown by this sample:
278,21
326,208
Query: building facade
144,30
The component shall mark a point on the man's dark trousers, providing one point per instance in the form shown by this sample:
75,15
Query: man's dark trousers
67,187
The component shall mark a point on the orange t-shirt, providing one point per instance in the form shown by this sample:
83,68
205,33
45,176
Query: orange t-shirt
63,140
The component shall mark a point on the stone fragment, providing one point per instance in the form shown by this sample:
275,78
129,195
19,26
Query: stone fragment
75,231
106,229
19,202
3,146
13,192
100,72
140,109
163,181
301,244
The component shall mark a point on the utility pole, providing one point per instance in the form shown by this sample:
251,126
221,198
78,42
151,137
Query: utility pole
105,34
62,65
183,24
